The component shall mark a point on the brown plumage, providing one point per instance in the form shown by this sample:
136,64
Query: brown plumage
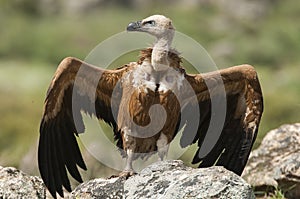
136,97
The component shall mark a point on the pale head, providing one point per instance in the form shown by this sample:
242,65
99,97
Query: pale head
162,28
156,25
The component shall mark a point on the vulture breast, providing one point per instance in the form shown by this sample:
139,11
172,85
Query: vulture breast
149,107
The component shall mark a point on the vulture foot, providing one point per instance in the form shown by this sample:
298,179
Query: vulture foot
124,174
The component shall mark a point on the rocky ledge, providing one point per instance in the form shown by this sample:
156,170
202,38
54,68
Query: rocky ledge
16,184
169,179
275,164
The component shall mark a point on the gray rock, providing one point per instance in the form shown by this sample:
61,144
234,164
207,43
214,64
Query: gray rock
100,188
169,179
276,162
16,184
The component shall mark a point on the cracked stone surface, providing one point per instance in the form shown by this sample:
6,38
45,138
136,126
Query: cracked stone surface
17,184
169,179
276,162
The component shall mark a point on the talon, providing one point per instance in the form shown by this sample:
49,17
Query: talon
127,174
112,176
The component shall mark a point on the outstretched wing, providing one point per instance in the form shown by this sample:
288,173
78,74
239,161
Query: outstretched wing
230,104
76,86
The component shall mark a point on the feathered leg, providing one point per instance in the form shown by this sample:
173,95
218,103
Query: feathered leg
128,170
162,146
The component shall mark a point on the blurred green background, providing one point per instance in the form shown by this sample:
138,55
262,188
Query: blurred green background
35,35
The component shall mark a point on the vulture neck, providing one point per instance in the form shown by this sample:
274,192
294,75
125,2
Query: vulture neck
159,57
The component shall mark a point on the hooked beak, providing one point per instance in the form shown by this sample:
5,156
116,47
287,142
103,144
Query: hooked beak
134,26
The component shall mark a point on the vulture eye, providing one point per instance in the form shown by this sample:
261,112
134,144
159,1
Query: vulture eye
149,23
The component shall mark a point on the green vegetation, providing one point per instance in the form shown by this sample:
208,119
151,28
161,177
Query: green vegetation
277,193
33,44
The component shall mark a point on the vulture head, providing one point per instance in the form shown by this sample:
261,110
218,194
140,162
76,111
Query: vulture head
156,25
162,28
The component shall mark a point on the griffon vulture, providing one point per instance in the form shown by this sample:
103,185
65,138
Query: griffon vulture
157,78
